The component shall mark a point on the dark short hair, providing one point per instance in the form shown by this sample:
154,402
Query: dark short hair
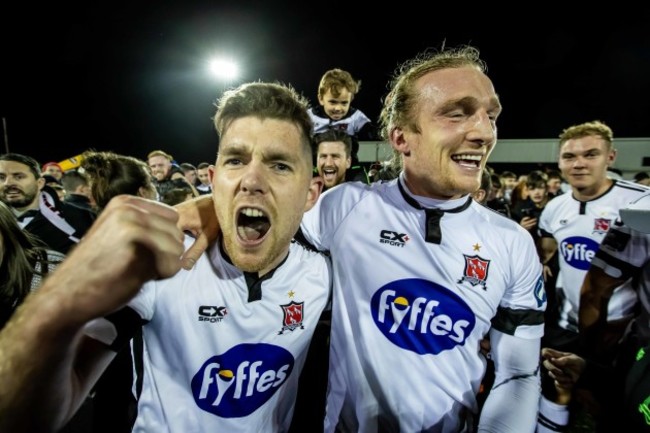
537,179
333,135
264,101
73,179
486,180
186,166
30,162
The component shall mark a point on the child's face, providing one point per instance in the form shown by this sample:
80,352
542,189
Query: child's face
336,108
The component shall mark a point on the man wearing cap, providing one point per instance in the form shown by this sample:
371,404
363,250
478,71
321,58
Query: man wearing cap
38,207
53,169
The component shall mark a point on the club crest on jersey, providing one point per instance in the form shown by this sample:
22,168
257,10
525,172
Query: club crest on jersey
293,315
476,271
601,225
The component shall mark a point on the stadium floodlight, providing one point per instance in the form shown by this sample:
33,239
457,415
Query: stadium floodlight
224,70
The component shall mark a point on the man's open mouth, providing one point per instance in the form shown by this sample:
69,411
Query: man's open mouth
252,224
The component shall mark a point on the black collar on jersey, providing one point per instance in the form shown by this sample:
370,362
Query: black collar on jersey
433,216
253,279
31,213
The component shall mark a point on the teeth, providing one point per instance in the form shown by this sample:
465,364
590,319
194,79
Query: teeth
467,157
250,212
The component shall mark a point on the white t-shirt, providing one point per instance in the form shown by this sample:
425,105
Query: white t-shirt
214,360
579,228
408,315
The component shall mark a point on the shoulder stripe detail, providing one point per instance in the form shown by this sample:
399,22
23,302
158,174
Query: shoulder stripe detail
631,186
613,262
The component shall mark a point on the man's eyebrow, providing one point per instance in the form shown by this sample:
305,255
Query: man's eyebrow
280,155
469,102
466,102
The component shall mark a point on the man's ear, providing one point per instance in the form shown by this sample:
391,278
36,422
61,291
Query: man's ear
40,182
348,162
399,141
315,188
210,172
611,157
479,195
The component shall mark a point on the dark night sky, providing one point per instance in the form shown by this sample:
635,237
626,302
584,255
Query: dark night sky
132,78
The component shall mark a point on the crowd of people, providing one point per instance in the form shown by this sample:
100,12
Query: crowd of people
284,287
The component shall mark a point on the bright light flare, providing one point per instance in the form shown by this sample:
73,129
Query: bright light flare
224,70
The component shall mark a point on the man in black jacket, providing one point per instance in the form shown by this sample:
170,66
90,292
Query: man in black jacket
37,207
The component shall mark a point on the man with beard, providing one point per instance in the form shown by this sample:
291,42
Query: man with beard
166,173
333,156
37,207
235,330
422,274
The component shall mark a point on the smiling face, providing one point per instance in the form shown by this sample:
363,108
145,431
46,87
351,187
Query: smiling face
456,115
332,161
262,184
160,167
584,162
336,107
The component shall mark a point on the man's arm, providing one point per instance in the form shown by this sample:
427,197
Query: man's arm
511,405
597,288
599,335
546,247
47,366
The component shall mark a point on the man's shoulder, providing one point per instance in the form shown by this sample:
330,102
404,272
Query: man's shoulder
353,192
558,202
627,190
77,215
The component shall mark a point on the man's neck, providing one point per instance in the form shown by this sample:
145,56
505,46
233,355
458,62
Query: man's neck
587,194
18,211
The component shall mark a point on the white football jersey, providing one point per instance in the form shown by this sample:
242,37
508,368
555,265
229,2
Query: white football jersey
579,228
216,360
408,315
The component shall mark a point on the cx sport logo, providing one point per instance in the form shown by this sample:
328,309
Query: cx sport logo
421,316
393,238
578,251
241,380
212,314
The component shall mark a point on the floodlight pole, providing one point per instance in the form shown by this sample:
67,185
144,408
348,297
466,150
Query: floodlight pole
5,135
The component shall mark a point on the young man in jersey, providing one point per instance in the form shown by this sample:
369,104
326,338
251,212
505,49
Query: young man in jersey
574,224
621,383
224,343
422,273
